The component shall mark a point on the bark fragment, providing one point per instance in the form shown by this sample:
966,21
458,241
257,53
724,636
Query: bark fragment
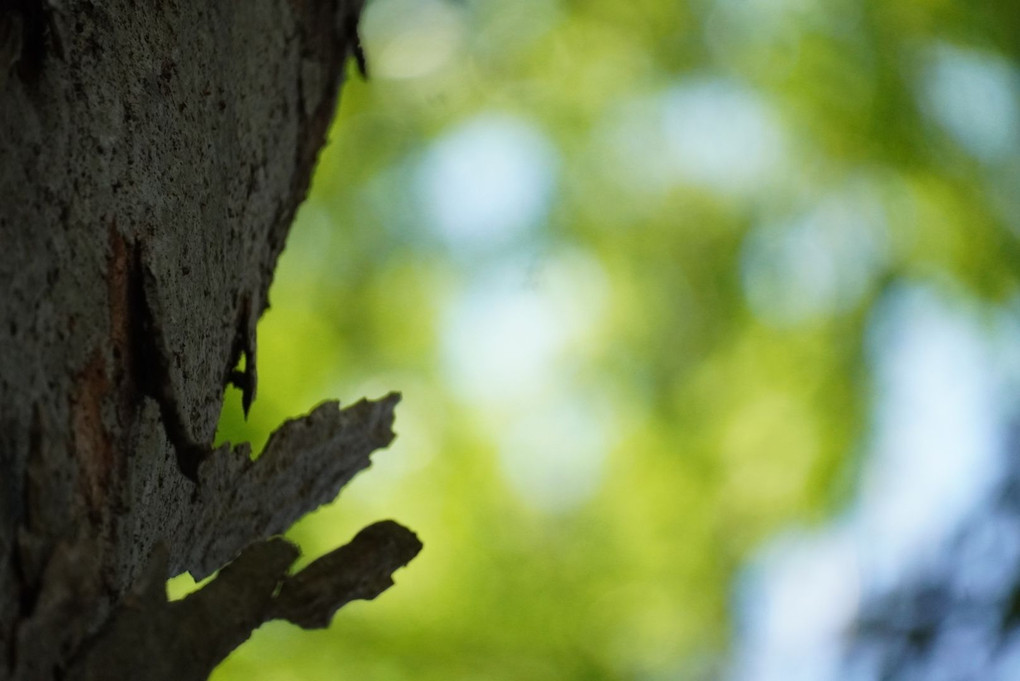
184,640
305,464
357,571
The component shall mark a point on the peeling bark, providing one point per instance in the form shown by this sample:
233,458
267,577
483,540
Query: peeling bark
152,162
185,640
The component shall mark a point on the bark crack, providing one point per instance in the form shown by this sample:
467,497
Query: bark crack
152,364
245,380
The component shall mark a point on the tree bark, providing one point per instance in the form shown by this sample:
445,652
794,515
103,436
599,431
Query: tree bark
153,157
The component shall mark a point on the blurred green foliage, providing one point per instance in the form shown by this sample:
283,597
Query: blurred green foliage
619,258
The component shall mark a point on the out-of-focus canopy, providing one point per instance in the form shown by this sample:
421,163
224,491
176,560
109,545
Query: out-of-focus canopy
657,279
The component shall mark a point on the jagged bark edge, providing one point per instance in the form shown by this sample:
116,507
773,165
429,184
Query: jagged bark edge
184,640
305,464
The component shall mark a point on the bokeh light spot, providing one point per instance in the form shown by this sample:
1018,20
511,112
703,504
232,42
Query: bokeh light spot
720,135
817,263
410,38
554,456
975,97
487,182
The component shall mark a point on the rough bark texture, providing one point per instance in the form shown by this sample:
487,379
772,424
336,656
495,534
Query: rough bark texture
153,157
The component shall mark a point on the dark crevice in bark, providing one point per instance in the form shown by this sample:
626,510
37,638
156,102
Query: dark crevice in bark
245,380
27,595
27,567
40,36
152,365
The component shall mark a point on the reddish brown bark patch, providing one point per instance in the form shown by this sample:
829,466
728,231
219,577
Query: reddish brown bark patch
92,448
119,279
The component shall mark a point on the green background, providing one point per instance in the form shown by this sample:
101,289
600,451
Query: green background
620,259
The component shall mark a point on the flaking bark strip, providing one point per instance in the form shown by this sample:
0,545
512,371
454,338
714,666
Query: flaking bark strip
360,570
305,464
184,640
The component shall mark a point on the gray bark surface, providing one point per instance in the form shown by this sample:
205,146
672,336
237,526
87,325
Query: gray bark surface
152,158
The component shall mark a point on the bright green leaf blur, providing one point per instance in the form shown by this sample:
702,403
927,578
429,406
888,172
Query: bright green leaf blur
618,257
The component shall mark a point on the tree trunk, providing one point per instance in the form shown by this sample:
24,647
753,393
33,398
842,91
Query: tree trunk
153,157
